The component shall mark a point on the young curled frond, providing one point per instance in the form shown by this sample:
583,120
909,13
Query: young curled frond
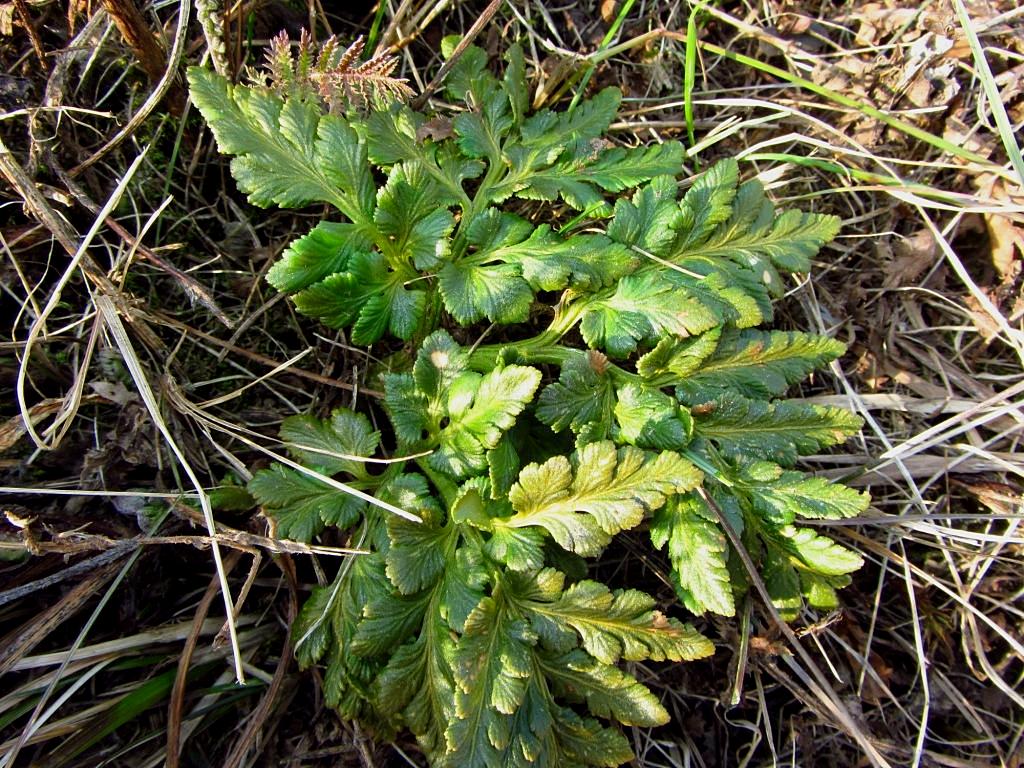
331,74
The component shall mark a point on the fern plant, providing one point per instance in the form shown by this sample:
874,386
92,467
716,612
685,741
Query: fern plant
650,398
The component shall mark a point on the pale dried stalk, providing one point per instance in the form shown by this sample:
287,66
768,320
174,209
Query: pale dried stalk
208,13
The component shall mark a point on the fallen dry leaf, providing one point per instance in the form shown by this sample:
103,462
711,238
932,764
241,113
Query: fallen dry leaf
6,19
1007,246
115,392
923,72
13,429
957,131
876,20
983,321
794,24
997,497
1006,236
437,129
608,10
912,256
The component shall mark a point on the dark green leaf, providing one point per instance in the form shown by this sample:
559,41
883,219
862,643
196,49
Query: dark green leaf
608,691
584,394
779,431
644,306
579,179
312,627
648,418
332,445
391,135
755,237
782,582
550,262
388,621
757,364
708,202
590,119
327,249
407,406
419,552
650,219
287,152
493,663
335,301
514,83
462,588
418,682
302,505
480,411
411,218
470,68
503,466
613,625
439,362
472,292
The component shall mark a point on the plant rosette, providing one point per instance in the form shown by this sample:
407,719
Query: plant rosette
653,398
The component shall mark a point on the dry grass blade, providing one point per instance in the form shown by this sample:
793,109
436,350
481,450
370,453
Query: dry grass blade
812,676
39,715
220,425
248,740
192,287
62,422
160,90
17,644
117,330
176,701
172,633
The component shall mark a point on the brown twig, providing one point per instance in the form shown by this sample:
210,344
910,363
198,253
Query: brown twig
114,552
262,359
174,706
140,38
33,34
464,43
243,541
193,288
247,739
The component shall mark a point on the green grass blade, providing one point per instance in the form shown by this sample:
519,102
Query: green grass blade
147,695
374,37
938,198
988,83
690,74
893,122
609,36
